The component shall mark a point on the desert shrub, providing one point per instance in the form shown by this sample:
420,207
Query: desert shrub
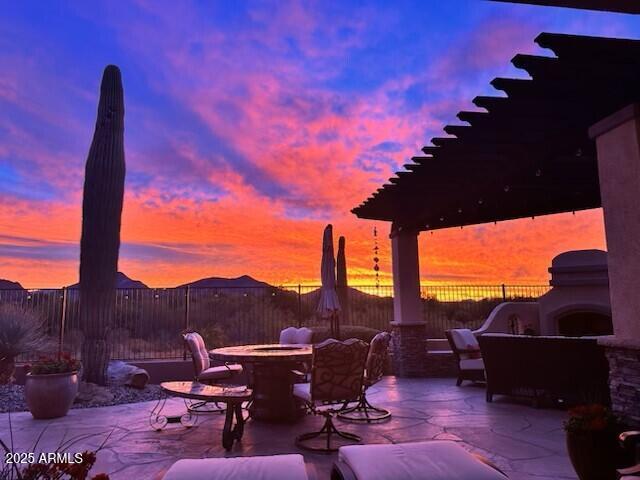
21,331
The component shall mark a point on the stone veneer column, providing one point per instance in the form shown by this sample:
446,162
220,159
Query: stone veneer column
618,144
408,328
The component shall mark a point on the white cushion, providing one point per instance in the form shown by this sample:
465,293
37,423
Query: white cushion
288,335
303,335
472,364
464,339
433,460
216,373
274,467
303,391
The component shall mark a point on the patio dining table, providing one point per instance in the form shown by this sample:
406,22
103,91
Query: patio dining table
270,377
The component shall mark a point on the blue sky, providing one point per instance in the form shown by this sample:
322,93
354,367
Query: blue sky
249,125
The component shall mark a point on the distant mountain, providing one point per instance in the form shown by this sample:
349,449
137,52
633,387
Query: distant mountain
122,281
354,294
245,281
9,285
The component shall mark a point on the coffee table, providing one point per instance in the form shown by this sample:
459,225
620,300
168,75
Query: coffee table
231,395
271,378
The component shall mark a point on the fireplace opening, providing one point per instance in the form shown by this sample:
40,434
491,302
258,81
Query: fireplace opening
581,323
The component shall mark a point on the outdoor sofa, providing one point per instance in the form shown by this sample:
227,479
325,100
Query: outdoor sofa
568,369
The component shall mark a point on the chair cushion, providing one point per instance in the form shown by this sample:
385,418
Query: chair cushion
198,352
303,391
274,467
464,339
217,373
435,460
288,335
304,335
472,364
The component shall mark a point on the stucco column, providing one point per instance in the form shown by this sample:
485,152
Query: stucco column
618,145
408,326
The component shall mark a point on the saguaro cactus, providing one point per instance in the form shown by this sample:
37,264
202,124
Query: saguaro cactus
101,217
341,281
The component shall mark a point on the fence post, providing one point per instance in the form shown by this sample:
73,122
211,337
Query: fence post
63,315
299,306
186,320
504,293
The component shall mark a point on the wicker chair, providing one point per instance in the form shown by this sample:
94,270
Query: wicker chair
337,371
204,372
466,351
374,370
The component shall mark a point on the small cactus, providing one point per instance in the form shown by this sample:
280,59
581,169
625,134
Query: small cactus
101,217
341,281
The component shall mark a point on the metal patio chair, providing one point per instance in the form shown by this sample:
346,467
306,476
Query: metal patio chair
337,371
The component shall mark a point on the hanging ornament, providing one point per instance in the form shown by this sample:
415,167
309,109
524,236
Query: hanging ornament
376,259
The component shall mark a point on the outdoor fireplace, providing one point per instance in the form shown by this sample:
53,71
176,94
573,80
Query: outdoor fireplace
578,303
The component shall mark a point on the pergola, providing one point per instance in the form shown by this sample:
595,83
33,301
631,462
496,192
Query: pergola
525,154
565,139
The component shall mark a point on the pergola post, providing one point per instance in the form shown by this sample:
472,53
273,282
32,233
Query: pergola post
618,145
408,326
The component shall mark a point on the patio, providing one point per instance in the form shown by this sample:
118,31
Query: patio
526,443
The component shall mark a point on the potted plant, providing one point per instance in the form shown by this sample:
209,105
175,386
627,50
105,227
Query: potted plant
20,332
51,386
592,432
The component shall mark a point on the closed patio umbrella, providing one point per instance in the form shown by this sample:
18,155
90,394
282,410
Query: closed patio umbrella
329,306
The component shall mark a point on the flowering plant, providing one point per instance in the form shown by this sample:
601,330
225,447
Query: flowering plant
590,418
49,365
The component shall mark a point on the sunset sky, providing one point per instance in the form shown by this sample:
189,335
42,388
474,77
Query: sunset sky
249,126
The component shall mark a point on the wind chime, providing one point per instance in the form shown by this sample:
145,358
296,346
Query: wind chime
376,267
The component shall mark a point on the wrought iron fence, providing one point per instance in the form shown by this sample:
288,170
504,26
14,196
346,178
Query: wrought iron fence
147,322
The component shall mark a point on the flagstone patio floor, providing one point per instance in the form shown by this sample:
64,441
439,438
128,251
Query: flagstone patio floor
525,442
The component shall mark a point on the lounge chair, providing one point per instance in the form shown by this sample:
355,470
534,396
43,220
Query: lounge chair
374,370
272,467
432,460
466,351
337,371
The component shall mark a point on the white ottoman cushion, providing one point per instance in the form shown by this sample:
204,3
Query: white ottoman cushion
274,467
432,460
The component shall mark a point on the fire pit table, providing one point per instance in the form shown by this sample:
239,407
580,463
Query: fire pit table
271,378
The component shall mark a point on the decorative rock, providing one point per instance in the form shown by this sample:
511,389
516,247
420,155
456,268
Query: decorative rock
121,373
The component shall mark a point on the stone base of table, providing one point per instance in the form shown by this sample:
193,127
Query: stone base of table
273,399
409,347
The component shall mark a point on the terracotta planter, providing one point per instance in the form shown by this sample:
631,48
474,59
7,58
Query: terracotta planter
50,396
593,454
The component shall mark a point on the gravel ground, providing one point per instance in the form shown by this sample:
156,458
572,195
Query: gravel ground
12,397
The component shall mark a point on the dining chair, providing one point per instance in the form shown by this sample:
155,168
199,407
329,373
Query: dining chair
337,371
204,372
373,373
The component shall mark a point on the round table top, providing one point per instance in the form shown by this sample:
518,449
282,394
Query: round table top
273,352
200,391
